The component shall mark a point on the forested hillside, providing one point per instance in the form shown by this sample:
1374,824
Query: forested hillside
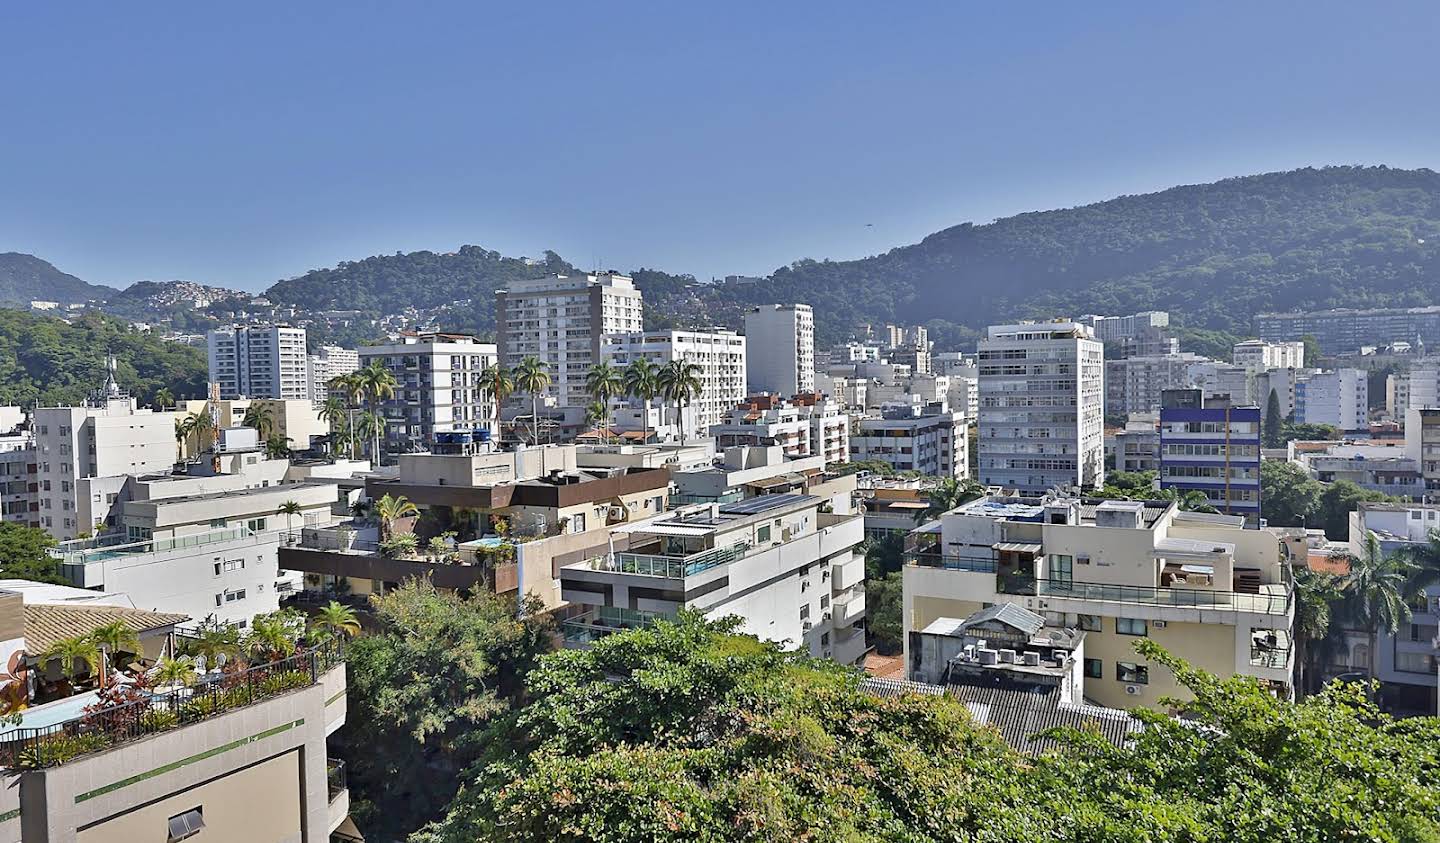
45,360
1211,254
26,278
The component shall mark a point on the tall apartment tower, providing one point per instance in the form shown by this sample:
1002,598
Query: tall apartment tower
780,342
719,353
562,320
332,362
1209,446
1042,406
259,362
437,386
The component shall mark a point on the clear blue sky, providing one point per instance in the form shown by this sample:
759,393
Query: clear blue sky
237,144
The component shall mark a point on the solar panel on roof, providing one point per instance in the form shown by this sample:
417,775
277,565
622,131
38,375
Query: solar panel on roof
763,503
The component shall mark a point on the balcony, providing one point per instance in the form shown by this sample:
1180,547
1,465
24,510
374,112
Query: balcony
1274,603
338,791
669,567
92,732
849,608
973,564
586,628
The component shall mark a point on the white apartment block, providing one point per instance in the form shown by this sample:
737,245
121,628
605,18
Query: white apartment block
331,362
563,321
1042,406
1419,387
781,345
1340,398
787,570
1259,355
83,454
720,354
438,386
19,503
1134,384
259,362
1202,586
809,425
931,440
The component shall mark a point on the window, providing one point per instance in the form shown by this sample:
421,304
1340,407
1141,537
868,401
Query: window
1131,626
1094,669
1131,674
256,525
577,522
762,535
1061,567
805,612
186,825
218,523
1089,623
233,596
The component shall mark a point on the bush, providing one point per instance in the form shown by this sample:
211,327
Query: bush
59,748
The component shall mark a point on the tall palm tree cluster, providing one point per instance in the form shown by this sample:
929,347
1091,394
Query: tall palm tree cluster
197,428
677,381
1376,595
353,409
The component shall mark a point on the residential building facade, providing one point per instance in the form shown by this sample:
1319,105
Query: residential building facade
930,439
329,363
439,386
1212,447
1042,406
807,425
1340,398
259,362
1347,331
720,354
1259,355
780,341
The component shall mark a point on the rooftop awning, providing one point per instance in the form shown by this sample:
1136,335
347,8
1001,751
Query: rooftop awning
1198,569
664,528
907,504
1018,547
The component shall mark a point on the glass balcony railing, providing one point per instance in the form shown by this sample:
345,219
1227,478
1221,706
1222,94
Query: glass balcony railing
86,551
586,628
977,564
1265,604
670,567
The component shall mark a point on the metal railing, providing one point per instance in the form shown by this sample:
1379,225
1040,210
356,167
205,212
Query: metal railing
1274,657
108,728
977,564
588,627
335,777
670,567
1265,604
107,547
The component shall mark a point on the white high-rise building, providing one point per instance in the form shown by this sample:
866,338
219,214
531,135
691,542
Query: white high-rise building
259,362
562,320
930,439
437,386
1340,398
332,362
720,354
1259,355
1042,406
781,345
83,456
1419,387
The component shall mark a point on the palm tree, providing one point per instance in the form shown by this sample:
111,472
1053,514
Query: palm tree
679,381
213,640
1376,593
337,618
289,509
334,414
371,425
277,447
270,638
379,385
202,426
391,509
261,417
946,495
182,432
163,398
1426,559
641,381
353,387
114,638
533,376
498,383
74,651
175,672
1316,594
604,382
596,414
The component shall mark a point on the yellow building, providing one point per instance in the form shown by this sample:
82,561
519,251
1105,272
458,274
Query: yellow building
1202,586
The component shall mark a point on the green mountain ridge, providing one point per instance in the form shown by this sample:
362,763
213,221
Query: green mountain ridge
26,278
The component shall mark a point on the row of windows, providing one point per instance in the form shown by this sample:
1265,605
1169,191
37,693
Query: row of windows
1127,672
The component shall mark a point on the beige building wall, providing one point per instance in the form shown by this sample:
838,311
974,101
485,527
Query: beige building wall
1207,646
259,804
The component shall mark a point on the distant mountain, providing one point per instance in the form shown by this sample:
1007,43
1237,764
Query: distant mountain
26,278
1212,254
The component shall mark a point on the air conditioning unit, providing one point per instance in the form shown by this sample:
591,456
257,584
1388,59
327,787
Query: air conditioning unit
827,616
804,584
1158,624
618,513
1132,690
806,626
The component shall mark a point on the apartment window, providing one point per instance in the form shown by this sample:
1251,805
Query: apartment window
762,535
1094,669
1131,626
186,825
1061,567
1131,674
256,525
218,523
1089,623
577,522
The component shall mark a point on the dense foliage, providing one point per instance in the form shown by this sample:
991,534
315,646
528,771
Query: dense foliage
686,732
26,278
24,554
45,360
422,690
1290,498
